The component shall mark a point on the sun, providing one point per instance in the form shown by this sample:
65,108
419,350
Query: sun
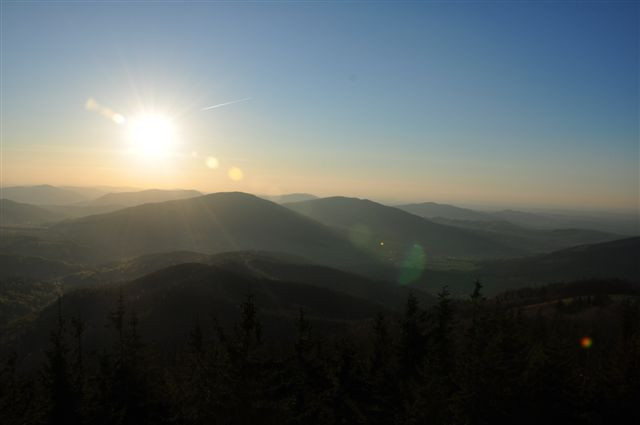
151,135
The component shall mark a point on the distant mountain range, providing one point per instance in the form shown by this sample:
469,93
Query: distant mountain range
114,201
42,195
131,199
371,223
530,239
626,224
434,210
17,214
359,235
82,209
289,197
390,233
210,224
93,192
58,195
75,202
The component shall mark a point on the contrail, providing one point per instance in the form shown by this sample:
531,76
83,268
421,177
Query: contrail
219,105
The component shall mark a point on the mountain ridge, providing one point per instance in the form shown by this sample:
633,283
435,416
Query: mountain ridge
19,214
390,231
130,199
225,221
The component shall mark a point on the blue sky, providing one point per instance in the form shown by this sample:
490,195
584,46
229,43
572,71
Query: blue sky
511,103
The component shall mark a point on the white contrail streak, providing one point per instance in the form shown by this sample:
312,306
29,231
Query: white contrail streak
219,105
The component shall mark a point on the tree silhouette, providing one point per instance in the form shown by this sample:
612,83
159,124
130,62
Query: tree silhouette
472,360
57,377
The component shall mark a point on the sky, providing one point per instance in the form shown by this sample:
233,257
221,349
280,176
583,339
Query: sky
509,103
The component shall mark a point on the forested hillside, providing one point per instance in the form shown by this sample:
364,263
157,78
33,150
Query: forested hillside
476,360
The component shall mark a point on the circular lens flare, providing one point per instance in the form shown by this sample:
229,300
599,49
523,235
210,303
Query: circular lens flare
235,174
212,162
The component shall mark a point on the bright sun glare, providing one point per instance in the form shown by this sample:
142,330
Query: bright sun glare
151,136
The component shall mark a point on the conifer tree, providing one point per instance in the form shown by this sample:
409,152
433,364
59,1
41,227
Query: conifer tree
309,380
382,374
63,401
412,339
442,338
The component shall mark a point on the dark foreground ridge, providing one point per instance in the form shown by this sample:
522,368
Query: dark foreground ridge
569,354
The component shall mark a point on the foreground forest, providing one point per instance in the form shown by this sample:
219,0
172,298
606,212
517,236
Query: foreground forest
551,354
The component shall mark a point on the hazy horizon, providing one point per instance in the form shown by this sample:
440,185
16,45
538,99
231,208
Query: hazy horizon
479,206
469,104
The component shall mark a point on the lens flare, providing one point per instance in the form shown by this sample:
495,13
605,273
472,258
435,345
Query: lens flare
93,105
212,162
235,174
413,265
118,119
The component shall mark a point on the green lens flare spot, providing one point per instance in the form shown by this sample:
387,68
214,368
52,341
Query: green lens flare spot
412,265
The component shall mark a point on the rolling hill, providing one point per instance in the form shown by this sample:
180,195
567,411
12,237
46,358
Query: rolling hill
21,300
34,267
37,244
42,195
211,224
390,232
131,199
254,264
16,214
93,192
289,197
529,239
80,210
29,284
168,301
608,260
622,223
451,212
550,294
616,259
529,219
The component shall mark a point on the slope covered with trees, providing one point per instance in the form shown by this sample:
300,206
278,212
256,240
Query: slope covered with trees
469,361
616,259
